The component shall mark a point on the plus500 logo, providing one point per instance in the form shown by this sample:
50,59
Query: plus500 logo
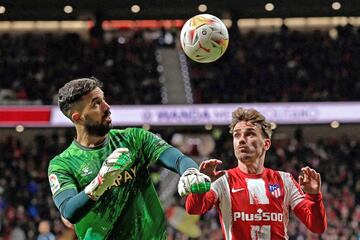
264,216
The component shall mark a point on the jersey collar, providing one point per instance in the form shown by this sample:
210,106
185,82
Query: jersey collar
101,145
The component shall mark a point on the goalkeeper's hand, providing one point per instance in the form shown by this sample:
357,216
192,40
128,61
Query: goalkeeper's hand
193,181
113,165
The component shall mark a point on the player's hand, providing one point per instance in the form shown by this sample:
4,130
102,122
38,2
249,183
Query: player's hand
113,165
310,180
208,168
193,181
67,223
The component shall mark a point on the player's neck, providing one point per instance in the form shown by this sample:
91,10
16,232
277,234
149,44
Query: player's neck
86,140
90,141
253,168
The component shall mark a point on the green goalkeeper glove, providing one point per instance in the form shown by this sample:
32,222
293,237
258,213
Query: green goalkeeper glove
114,165
193,181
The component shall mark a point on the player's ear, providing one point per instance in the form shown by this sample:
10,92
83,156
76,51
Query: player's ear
75,116
267,143
75,112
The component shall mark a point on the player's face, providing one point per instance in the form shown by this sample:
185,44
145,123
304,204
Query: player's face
96,113
249,143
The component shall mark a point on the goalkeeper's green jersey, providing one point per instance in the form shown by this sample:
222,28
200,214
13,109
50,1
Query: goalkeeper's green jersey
129,210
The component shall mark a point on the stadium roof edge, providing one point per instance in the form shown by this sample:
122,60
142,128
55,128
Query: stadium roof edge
160,9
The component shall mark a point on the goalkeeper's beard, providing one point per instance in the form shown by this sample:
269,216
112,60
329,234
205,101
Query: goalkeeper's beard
98,129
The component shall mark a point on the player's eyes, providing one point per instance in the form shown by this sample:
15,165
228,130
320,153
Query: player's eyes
251,134
95,103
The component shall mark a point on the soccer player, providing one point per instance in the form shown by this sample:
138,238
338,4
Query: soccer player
101,183
253,201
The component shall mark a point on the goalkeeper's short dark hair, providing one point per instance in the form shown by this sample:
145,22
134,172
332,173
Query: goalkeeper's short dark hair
71,92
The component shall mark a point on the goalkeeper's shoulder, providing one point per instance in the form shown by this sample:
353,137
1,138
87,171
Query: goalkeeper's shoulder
56,163
66,154
60,161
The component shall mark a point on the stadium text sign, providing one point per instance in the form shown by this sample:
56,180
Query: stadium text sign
196,114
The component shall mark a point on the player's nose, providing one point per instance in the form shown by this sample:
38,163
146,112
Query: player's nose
242,139
105,106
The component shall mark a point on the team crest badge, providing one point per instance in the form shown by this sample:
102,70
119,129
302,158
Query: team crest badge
54,183
275,190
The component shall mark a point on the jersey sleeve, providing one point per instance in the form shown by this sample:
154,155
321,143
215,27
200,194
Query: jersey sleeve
150,144
311,212
59,178
309,208
201,203
294,194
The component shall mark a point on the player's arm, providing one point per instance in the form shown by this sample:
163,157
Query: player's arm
191,180
176,161
157,150
311,210
201,203
73,205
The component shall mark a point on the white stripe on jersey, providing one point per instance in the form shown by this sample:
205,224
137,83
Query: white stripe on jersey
257,191
292,197
222,190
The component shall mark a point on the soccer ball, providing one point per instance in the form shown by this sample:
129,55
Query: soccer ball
204,38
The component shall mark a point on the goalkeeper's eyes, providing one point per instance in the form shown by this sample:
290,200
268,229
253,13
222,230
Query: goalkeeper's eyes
96,102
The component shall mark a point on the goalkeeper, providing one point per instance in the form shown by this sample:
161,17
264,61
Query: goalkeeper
101,183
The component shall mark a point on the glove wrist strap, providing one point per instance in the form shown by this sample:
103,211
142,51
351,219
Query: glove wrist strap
91,188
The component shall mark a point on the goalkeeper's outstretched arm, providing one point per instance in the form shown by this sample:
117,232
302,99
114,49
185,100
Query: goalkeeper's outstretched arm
191,179
176,161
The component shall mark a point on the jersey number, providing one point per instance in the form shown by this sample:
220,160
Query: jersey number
260,232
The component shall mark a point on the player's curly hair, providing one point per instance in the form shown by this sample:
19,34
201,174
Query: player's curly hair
253,116
71,92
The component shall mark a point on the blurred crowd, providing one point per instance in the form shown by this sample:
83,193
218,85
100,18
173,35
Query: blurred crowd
26,207
34,66
279,66
282,66
26,204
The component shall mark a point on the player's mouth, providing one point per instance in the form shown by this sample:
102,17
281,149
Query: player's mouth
107,117
242,149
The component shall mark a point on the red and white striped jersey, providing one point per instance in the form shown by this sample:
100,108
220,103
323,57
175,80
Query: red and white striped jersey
257,206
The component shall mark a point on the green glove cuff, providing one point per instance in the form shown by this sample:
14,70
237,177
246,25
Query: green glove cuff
200,188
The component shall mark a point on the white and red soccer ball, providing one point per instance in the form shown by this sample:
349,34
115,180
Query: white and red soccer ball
204,38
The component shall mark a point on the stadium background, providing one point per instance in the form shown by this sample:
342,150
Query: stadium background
279,52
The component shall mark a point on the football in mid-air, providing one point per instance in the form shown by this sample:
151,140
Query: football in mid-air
204,38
